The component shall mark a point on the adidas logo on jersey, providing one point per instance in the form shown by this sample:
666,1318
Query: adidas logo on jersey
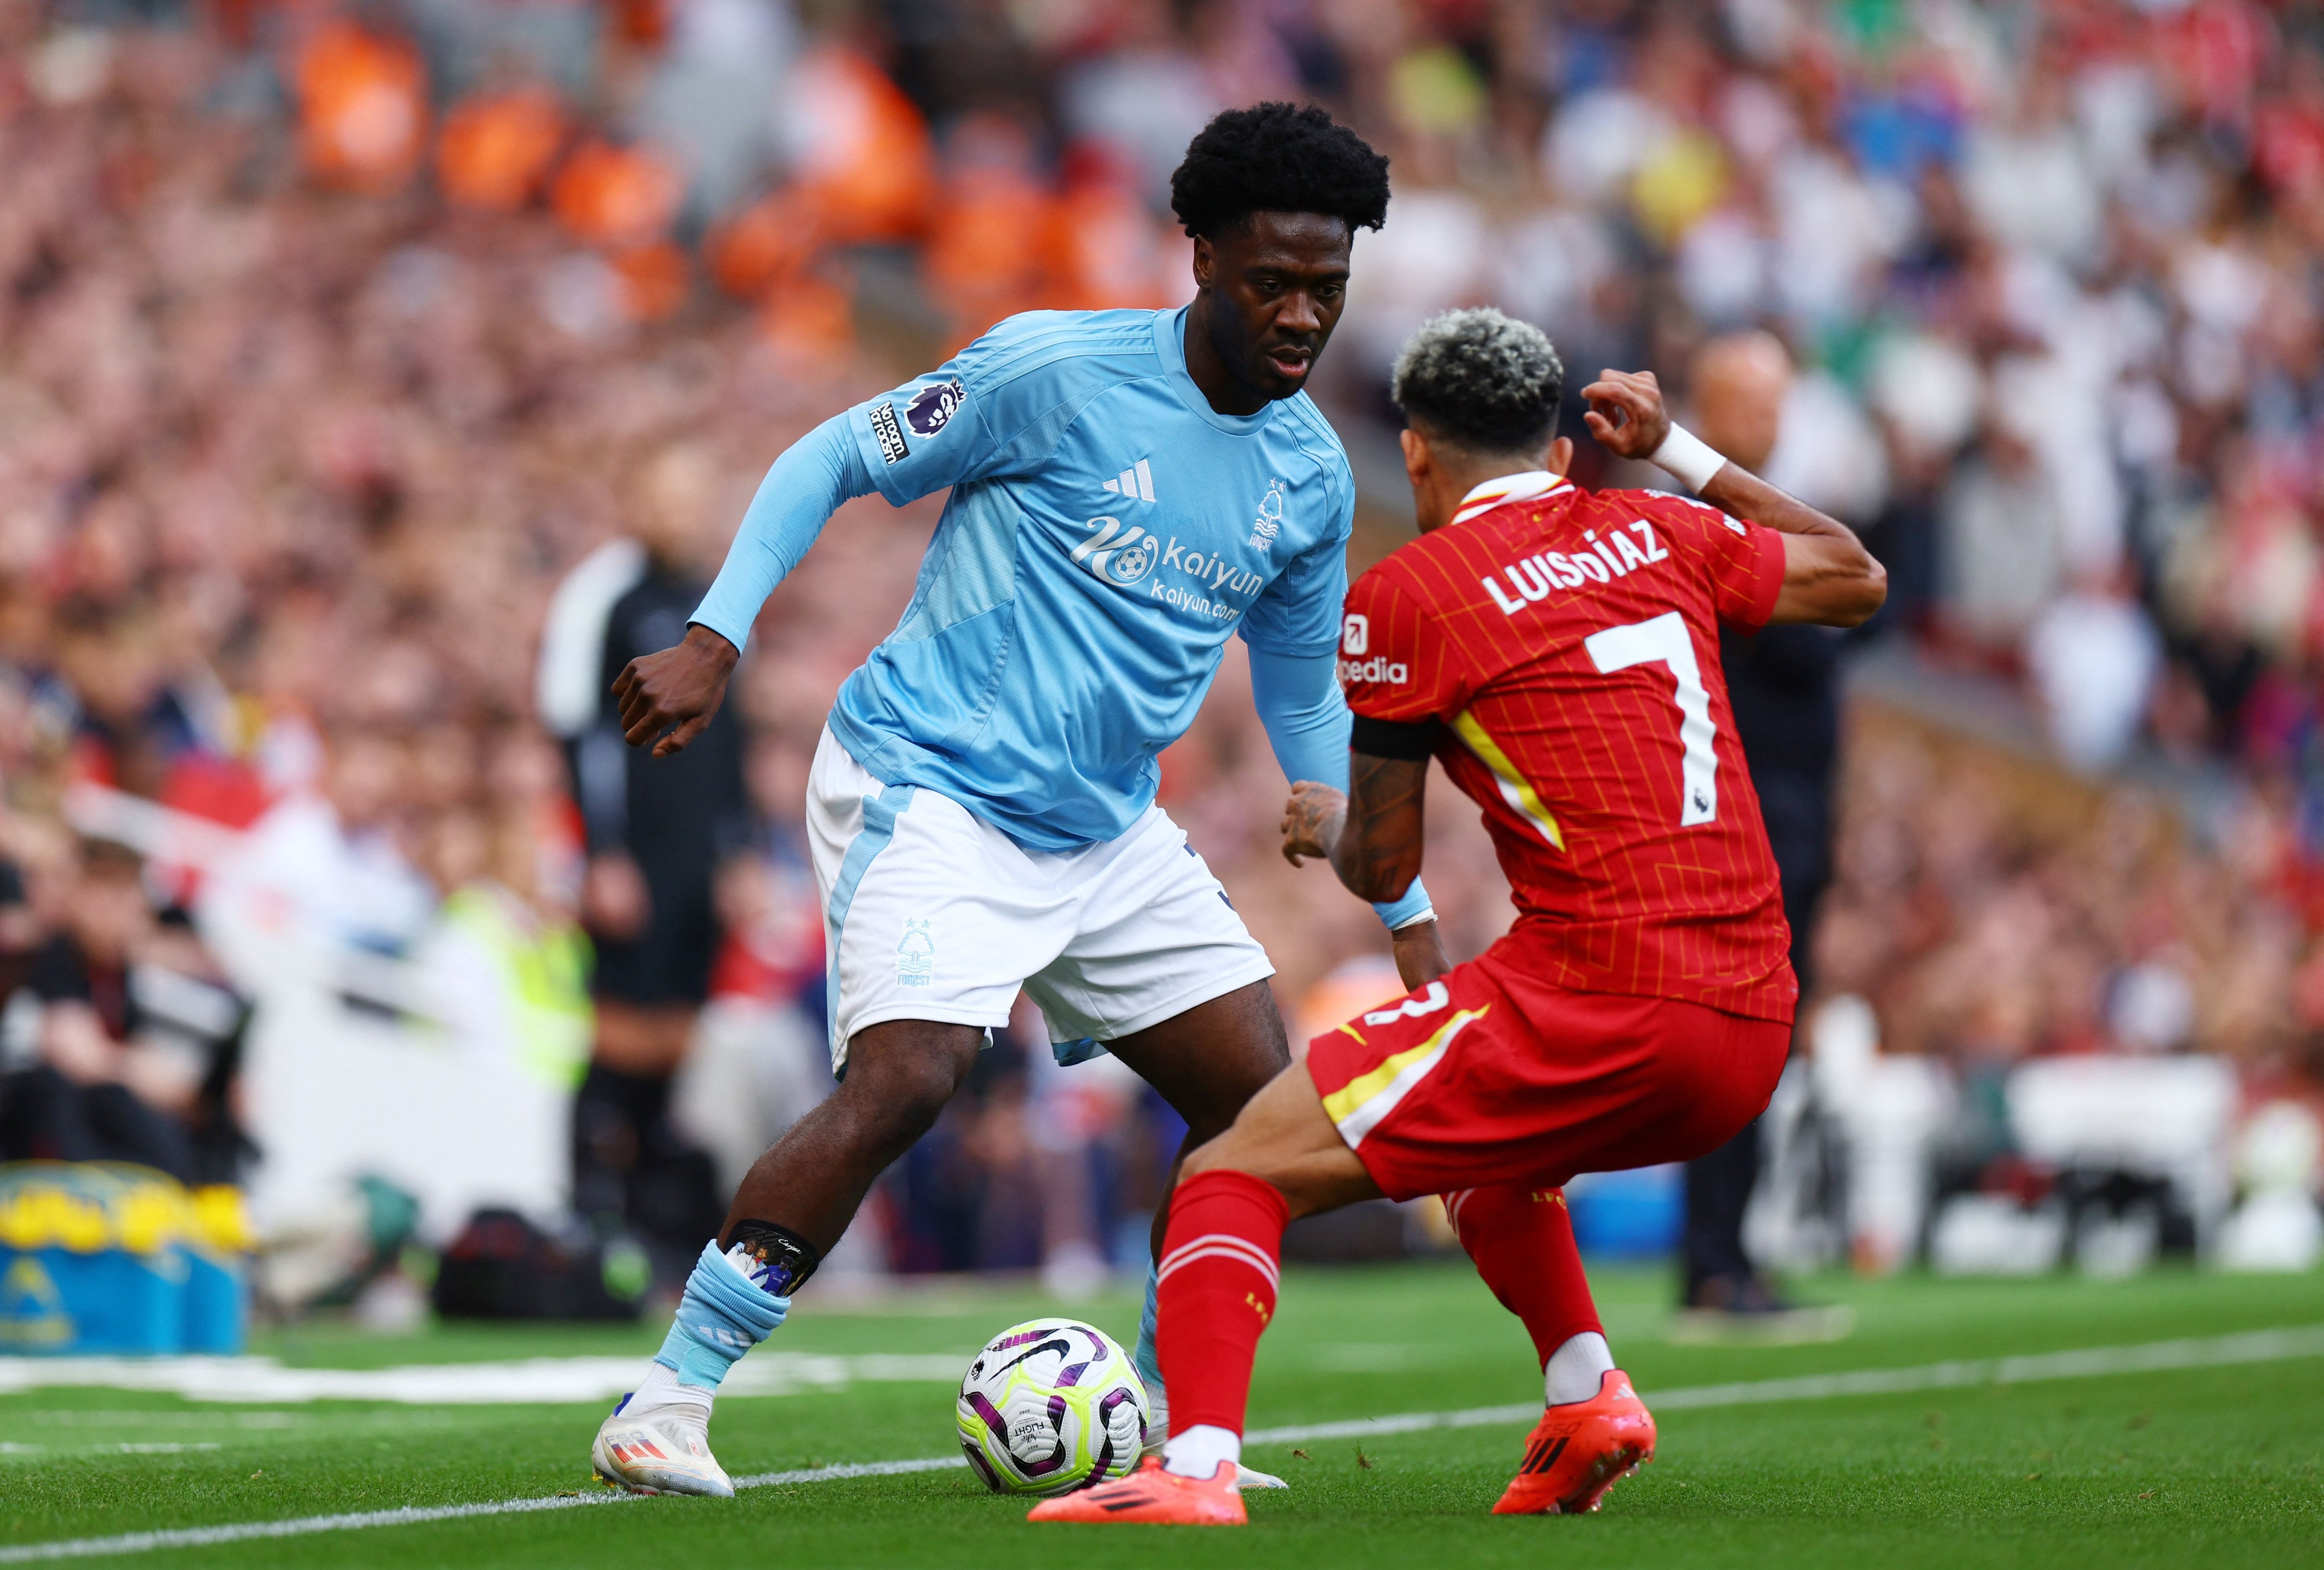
1136,482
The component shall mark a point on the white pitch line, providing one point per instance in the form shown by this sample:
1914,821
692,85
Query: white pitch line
852,1469
132,1448
418,1515
299,1527
523,1381
2218,1352
2089,1362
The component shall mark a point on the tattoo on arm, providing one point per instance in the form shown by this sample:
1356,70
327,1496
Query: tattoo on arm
1379,850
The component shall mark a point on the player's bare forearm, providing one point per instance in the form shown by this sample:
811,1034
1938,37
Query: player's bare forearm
677,691
1314,821
1736,490
1828,577
1378,852
1372,835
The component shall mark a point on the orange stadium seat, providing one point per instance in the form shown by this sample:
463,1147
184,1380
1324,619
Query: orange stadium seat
615,196
655,278
867,163
363,108
1105,249
808,319
865,175
642,23
990,254
496,149
766,243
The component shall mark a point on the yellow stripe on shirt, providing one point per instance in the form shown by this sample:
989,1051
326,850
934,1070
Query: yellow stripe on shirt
1515,788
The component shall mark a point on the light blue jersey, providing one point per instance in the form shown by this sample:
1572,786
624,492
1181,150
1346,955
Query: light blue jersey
1107,530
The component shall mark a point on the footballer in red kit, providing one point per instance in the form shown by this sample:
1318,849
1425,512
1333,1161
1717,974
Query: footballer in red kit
1557,650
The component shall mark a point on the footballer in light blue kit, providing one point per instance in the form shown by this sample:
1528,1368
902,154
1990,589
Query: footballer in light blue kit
1129,489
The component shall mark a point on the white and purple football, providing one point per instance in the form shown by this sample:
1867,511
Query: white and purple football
1050,1405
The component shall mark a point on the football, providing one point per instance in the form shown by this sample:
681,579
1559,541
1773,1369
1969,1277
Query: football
1050,1405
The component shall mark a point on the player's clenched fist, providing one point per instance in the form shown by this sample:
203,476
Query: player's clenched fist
679,687
1312,819
1625,413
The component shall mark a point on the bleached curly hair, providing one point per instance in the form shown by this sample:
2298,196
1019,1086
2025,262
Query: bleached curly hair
1482,380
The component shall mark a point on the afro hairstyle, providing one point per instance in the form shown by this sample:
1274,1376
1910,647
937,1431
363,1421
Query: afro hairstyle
1277,158
1482,380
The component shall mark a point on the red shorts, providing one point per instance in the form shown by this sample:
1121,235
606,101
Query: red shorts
1491,1075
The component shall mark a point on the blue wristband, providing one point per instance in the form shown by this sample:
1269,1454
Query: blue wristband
1414,907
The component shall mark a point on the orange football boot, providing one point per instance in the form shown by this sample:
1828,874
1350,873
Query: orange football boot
1153,1496
1579,1450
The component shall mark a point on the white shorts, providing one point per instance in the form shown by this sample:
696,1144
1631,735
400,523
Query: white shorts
931,913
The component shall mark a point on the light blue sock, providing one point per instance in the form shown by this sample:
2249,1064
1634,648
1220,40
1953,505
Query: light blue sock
1149,1366
723,1315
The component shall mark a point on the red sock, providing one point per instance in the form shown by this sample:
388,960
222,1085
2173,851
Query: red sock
1522,1242
1216,1292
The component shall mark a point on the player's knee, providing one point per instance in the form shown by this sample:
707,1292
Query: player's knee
1238,1151
1213,1113
1206,1126
918,1089
1212,1108
900,1088
1224,1153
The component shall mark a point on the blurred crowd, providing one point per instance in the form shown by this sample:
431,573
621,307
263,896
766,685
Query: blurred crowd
333,336
1992,912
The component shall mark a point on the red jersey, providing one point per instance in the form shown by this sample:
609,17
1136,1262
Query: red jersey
1568,643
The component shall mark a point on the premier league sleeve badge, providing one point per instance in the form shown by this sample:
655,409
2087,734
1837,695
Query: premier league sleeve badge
934,405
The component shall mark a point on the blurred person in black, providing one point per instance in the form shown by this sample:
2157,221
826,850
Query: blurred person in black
117,1042
656,829
20,932
1784,683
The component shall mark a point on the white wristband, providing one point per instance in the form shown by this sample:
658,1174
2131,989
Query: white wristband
1429,914
1687,458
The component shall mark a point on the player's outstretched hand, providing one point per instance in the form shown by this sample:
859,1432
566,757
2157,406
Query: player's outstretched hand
677,691
1310,822
1625,413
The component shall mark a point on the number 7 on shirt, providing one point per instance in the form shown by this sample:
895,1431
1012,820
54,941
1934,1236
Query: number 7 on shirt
1663,640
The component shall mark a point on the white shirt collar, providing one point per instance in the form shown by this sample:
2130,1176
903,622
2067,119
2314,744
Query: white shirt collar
1524,488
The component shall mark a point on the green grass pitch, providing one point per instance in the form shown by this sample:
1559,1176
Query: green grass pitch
2203,1466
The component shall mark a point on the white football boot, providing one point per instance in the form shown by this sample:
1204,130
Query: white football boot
1157,1435
663,1450
1158,1422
